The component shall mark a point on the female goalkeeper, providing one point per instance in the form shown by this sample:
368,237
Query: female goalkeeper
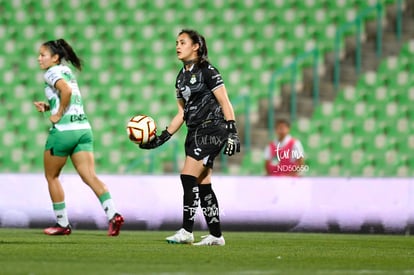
70,135
204,106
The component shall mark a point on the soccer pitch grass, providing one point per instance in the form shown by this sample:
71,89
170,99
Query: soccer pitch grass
144,252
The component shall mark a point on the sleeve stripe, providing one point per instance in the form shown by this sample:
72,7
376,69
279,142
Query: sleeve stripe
215,88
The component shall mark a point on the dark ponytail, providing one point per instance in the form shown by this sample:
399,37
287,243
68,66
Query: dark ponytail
64,51
197,38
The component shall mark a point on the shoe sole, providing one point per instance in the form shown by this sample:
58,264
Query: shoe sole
215,244
58,234
175,242
208,245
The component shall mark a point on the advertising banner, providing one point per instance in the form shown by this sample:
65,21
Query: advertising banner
246,203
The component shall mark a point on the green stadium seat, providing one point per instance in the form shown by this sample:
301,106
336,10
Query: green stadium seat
376,142
360,110
401,80
325,159
328,109
402,126
317,16
406,97
390,67
369,126
404,171
128,48
356,163
252,163
335,126
381,96
405,143
391,110
408,49
317,141
349,96
345,142
369,80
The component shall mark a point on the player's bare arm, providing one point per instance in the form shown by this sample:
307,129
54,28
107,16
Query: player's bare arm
178,119
224,101
65,94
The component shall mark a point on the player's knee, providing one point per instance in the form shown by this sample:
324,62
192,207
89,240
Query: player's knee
187,170
205,180
51,177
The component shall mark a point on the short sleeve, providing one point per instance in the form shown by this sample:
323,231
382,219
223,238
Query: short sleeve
177,86
52,75
178,94
266,153
212,78
298,147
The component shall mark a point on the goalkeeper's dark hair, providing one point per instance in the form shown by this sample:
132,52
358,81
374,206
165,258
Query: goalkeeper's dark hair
197,38
64,51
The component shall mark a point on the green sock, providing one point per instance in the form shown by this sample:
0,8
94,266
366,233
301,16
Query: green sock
108,205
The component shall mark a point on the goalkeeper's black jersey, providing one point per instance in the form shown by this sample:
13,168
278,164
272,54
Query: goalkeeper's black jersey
195,87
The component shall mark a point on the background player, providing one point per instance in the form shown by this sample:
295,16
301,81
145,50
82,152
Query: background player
284,156
205,107
70,135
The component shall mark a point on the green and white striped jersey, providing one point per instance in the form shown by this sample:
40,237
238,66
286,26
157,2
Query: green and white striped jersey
74,117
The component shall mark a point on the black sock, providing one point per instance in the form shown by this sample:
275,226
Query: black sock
190,201
210,207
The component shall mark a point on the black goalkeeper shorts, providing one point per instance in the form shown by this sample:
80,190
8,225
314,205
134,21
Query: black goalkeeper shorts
205,142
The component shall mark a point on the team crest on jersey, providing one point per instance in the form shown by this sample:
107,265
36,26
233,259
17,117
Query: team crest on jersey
68,76
193,79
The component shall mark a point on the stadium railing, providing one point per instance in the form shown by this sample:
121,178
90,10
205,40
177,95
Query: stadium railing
292,69
378,12
357,25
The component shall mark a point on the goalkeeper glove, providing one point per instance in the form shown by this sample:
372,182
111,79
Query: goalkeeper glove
157,141
233,141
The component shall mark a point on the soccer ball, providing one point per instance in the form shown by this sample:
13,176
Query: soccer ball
141,129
